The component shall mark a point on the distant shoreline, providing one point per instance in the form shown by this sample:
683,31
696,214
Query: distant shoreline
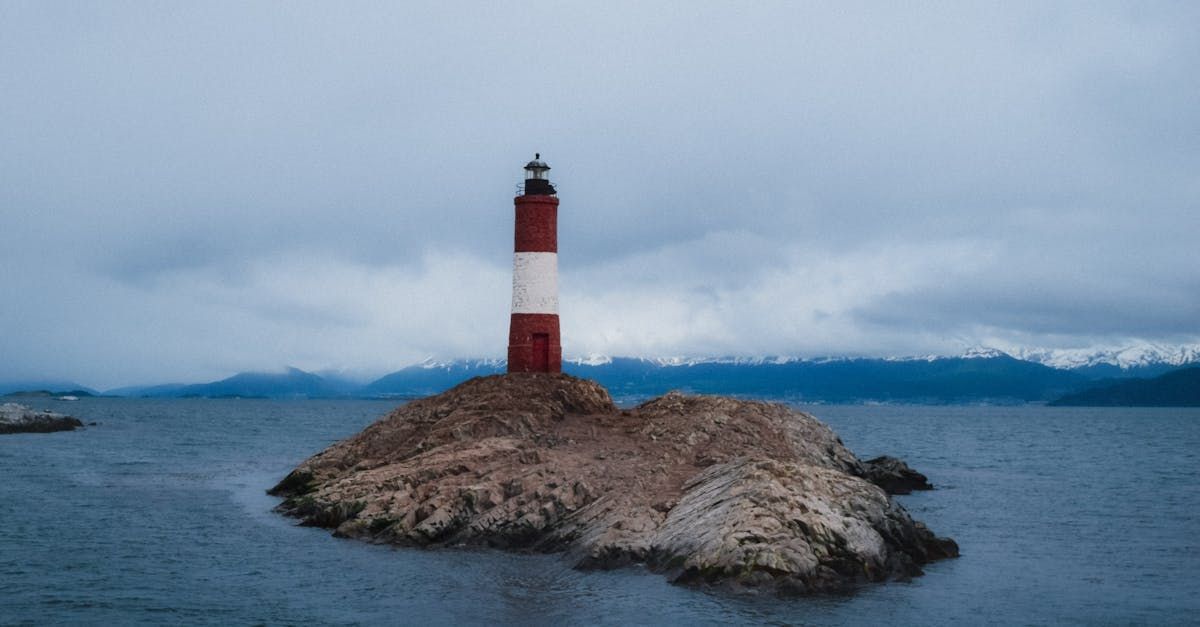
991,379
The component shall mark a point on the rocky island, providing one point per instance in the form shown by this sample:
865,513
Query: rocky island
16,418
707,490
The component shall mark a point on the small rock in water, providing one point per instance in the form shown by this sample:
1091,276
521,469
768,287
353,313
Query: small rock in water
16,418
894,476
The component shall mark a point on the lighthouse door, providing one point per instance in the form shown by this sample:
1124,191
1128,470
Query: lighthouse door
541,352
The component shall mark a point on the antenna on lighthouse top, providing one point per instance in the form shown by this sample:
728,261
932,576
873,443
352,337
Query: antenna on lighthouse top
536,183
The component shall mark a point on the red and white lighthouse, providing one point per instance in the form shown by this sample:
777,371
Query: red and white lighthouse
533,340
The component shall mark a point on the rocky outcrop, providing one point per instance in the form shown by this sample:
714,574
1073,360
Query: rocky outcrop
707,490
894,476
16,418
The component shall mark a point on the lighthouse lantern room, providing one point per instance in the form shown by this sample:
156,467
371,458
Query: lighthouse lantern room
535,177
533,337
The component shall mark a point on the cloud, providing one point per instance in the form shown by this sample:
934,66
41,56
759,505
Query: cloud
804,303
186,191
306,311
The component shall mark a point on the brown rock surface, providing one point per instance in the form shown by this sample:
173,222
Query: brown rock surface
706,489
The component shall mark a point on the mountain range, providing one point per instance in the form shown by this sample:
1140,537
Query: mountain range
1179,388
1140,360
291,383
977,376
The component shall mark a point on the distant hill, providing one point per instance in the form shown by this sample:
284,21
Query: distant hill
292,383
49,386
1180,388
994,378
980,376
430,378
47,394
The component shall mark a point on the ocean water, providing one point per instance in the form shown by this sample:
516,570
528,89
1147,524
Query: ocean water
159,516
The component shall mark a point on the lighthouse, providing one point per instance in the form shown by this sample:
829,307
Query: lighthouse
533,339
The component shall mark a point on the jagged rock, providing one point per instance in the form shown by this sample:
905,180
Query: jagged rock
16,418
894,476
705,489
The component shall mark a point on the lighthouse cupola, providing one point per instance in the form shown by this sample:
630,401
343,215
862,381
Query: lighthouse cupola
536,182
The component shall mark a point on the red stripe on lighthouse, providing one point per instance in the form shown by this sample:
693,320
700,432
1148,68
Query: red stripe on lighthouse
537,224
524,332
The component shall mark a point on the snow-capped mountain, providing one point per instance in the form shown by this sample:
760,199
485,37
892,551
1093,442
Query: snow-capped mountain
983,352
1125,358
429,363
979,374
593,359
1133,356
597,359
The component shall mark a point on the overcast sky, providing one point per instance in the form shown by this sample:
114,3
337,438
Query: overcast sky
188,190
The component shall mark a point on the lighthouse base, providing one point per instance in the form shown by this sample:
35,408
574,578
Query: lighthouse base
534,343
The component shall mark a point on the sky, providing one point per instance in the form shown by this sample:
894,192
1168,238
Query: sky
189,190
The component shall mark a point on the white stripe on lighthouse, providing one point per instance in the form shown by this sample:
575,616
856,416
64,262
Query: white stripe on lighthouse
535,283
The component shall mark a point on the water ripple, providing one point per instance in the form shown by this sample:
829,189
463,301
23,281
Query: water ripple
159,515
